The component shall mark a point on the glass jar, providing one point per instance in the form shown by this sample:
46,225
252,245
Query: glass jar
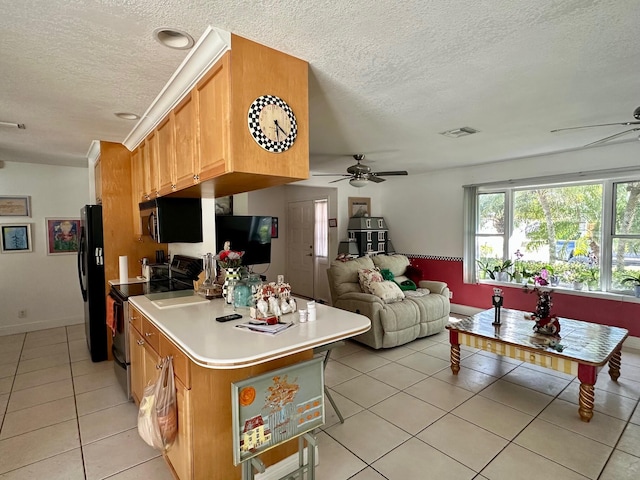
242,293
208,288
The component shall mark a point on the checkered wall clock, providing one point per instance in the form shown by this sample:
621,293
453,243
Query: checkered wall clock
272,123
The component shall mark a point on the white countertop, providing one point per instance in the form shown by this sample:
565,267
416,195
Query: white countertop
223,346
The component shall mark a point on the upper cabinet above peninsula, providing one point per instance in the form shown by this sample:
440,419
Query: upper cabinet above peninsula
229,134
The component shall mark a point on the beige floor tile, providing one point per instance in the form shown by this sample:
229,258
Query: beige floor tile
46,333
443,351
549,371
441,394
5,385
496,367
493,416
363,361
501,358
78,350
397,375
31,342
155,469
518,397
365,391
349,348
100,399
9,340
347,409
115,454
32,447
424,363
604,402
8,369
368,436
41,363
631,372
624,386
335,461
33,418
467,378
76,332
585,456
9,356
601,428
41,394
542,382
467,443
414,458
86,383
621,466
37,352
395,353
336,373
367,474
407,412
630,440
635,418
442,337
421,343
4,400
41,377
66,466
107,422
86,367
515,462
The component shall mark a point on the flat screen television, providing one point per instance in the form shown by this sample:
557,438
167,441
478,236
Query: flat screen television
251,234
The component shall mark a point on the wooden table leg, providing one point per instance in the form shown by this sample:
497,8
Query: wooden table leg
586,402
455,351
614,365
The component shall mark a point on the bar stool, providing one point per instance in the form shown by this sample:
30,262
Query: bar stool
327,348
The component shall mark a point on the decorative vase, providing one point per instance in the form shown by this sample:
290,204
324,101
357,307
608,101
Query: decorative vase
231,276
517,277
502,276
578,285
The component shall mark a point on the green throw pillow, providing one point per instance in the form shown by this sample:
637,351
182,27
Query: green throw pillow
386,274
407,285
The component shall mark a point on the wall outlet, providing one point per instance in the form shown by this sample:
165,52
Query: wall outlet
450,294
22,313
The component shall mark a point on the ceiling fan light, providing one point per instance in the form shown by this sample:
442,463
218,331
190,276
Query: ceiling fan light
359,182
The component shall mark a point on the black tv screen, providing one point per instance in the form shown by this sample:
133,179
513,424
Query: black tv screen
251,234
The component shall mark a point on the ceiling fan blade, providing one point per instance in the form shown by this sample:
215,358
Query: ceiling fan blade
330,175
340,179
600,125
396,172
611,137
376,179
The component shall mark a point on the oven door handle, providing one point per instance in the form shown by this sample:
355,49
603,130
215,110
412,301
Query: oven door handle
116,359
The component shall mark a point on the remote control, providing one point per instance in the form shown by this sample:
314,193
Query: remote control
228,318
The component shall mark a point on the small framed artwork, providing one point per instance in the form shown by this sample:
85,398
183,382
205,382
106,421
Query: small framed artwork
333,222
62,235
274,227
359,206
16,238
13,206
224,205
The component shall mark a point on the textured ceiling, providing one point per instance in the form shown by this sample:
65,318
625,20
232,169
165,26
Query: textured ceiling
385,77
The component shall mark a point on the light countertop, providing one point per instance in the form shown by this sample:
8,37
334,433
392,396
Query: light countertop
217,345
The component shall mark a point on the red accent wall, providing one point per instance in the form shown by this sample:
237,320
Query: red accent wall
605,312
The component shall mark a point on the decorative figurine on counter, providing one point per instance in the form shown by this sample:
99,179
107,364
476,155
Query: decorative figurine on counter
545,322
497,301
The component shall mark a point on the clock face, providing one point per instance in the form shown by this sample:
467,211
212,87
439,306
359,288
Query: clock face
272,123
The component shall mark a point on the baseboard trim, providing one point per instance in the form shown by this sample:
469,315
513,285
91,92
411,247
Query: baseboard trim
41,325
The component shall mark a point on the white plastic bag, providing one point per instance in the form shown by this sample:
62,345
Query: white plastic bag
158,414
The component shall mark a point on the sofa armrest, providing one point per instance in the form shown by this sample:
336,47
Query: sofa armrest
434,286
359,297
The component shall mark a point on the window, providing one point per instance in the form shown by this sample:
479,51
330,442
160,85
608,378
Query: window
582,235
321,232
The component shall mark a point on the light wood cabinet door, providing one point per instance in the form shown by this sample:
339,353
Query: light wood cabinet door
166,157
136,352
137,193
151,364
184,126
180,455
97,175
151,165
213,96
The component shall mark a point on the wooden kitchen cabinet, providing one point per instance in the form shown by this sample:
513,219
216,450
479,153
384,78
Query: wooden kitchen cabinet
136,354
180,455
185,132
166,156
151,166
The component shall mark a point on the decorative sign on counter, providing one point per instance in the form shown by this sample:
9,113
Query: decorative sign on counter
275,407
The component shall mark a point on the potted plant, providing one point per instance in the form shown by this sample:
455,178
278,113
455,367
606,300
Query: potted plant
501,271
634,279
577,275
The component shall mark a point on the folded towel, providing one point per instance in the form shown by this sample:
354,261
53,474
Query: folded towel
111,316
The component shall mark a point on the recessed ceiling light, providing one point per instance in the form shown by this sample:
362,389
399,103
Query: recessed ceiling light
459,132
127,116
172,38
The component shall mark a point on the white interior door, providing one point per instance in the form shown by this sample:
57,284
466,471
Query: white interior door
300,253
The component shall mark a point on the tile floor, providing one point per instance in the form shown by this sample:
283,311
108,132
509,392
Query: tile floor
407,416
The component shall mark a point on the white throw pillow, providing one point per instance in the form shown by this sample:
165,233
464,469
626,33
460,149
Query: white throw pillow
367,277
388,291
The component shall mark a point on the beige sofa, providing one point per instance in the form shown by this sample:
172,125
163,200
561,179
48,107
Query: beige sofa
392,324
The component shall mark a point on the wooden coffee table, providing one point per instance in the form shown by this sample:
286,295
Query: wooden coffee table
587,347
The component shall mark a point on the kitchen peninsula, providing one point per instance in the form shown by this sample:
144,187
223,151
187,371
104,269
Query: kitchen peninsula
208,357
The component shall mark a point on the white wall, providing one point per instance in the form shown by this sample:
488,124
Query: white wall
424,212
46,286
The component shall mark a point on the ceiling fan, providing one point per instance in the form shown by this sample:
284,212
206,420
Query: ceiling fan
360,175
636,115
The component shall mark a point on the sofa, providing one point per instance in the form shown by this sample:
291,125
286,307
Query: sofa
396,321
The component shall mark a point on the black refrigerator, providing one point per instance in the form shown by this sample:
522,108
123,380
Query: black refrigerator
92,281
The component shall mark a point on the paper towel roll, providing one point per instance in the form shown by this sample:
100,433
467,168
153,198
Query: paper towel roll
124,269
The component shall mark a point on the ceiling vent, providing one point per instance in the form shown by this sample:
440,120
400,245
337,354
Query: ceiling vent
459,132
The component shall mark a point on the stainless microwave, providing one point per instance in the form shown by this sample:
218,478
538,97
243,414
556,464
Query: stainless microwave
172,220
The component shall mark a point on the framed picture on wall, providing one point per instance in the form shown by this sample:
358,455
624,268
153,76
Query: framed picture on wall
62,235
359,207
16,238
13,206
224,205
